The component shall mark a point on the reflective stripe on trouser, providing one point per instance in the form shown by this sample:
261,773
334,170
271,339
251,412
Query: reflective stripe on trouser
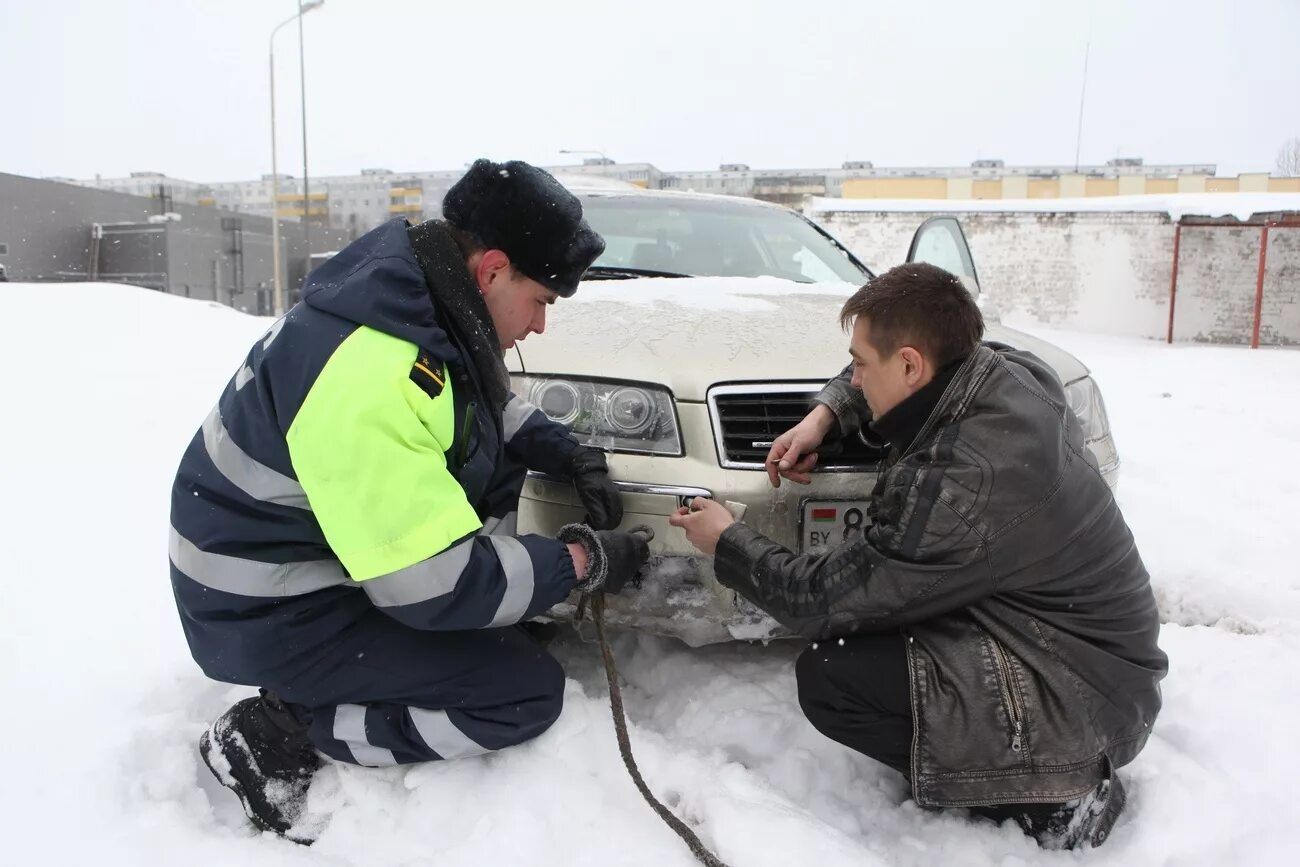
383,734
389,694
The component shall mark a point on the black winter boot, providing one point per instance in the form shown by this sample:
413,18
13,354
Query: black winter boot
1082,823
259,750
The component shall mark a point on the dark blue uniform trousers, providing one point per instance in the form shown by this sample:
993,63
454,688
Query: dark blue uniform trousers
388,694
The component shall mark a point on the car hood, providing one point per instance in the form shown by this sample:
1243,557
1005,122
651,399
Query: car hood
689,334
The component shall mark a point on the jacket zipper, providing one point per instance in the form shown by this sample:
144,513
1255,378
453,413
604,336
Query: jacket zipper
1013,706
916,727
466,427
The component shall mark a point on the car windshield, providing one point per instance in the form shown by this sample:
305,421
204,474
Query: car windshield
648,235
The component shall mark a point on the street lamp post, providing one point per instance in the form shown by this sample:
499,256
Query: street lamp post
280,302
303,8
597,153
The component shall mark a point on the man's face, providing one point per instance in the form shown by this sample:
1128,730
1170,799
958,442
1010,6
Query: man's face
516,303
885,382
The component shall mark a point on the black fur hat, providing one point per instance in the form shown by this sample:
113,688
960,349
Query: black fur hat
524,212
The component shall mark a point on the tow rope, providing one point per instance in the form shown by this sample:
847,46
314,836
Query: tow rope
698,849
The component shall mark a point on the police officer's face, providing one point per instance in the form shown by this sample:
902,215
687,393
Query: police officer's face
516,303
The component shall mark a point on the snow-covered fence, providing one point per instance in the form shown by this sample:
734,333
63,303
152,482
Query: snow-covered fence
1106,265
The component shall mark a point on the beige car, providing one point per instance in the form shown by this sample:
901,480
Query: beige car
698,337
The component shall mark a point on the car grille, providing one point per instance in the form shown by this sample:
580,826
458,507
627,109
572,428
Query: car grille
747,418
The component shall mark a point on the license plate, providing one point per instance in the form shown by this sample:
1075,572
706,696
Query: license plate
827,523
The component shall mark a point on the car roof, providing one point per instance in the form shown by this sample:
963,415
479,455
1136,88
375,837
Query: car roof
594,183
587,186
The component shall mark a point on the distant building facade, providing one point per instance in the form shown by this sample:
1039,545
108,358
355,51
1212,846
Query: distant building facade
356,203
51,231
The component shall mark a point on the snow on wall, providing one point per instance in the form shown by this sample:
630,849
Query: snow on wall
1172,205
1107,271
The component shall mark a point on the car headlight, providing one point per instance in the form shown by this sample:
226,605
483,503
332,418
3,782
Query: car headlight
1085,400
631,417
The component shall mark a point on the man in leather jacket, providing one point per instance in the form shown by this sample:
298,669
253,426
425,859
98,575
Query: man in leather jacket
992,635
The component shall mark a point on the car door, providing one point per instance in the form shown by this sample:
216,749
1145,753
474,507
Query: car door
941,242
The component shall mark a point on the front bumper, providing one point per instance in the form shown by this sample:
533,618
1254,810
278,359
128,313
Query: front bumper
680,595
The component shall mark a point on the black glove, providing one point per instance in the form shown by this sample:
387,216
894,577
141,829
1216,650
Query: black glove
614,557
626,553
599,494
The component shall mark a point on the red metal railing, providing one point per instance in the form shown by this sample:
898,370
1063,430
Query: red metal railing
1173,280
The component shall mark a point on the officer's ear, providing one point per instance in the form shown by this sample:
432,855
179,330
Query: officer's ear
491,270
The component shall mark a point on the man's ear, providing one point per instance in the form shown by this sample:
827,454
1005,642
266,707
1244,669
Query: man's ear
914,366
491,268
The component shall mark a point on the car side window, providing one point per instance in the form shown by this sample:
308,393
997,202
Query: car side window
941,242
939,248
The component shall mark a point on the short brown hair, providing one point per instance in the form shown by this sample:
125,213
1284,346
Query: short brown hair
918,305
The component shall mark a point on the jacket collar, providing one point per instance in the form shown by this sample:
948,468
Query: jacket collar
961,388
460,305
900,426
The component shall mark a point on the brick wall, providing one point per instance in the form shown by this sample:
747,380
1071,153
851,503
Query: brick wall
1108,272
1217,273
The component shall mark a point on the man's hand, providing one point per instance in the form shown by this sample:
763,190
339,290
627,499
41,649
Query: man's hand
579,556
794,454
599,494
704,520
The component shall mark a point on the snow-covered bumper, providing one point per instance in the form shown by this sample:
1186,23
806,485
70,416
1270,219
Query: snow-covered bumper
680,595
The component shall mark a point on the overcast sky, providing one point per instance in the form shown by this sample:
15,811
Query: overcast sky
181,86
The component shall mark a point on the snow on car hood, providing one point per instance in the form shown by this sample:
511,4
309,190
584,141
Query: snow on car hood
691,333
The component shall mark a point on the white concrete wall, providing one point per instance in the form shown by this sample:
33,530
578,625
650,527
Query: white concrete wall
1109,272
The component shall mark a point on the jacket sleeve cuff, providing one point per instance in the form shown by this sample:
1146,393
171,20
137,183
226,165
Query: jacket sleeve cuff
846,402
565,579
734,559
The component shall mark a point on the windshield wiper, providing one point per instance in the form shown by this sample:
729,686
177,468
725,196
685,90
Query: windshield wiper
618,272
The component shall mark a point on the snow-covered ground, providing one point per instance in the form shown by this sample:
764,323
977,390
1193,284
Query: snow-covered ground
105,385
